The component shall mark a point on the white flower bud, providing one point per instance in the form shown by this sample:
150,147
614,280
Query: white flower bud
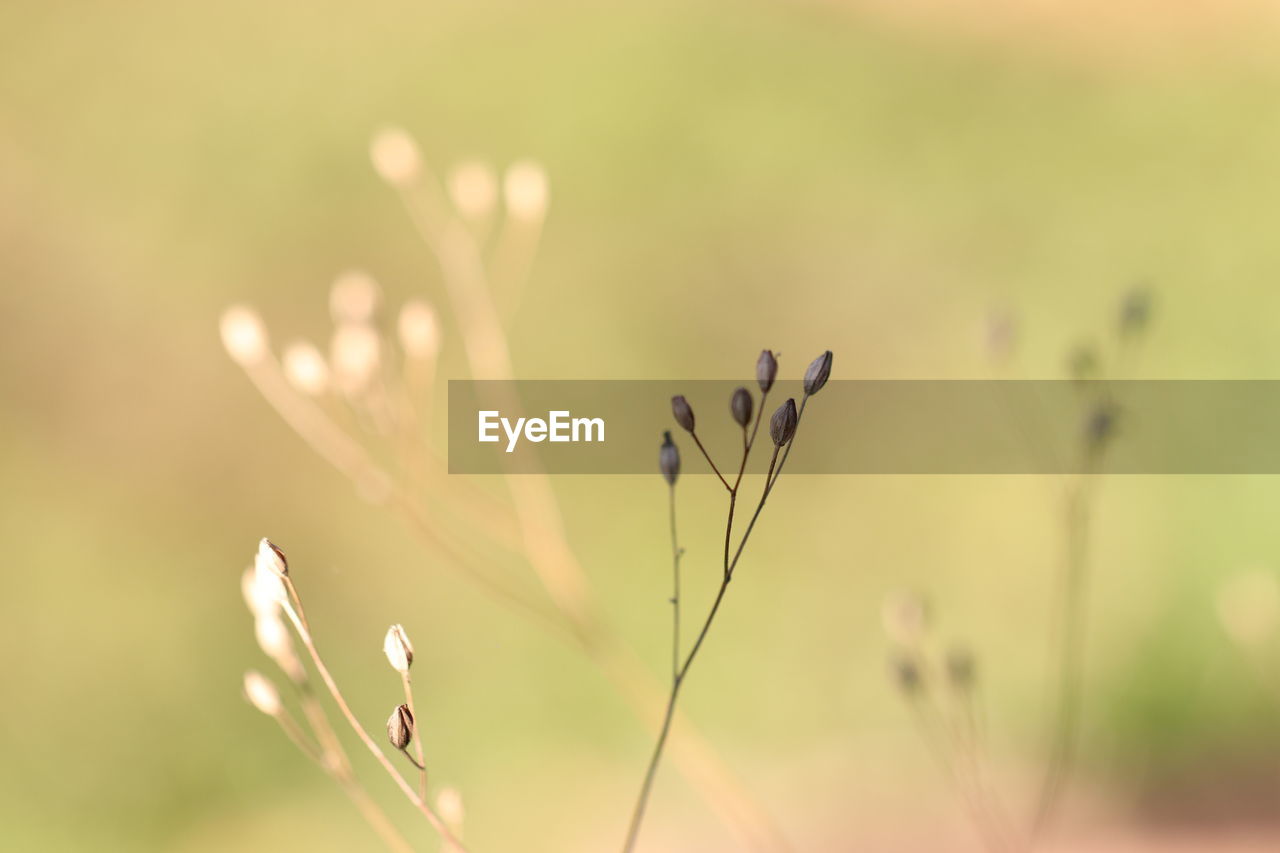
449,805
398,649
356,354
524,189
353,297
261,693
243,335
395,156
419,330
473,189
262,591
306,369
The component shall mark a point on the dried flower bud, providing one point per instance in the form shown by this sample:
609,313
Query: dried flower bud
400,727
682,411
398,649
243,335
452,812
524,189
271,558
354,297
261,693
818,373
740,406
395,156
1099,427
669,459
782,426
905,671
356,353
1135,312
419,330
960,668
766,370
905,616
473,188
306,369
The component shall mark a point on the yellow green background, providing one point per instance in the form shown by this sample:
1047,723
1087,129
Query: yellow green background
870,178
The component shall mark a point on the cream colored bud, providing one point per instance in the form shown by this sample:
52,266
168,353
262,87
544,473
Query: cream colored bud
395,156
261,693
306,369
262,591
398,649
243,335
449,805
473,187
419,330
906,617
1249,607
356,354
270,558
524,189
354,297
272,636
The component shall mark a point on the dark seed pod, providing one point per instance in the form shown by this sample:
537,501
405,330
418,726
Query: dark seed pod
683,412
782,426
1099,426
400,727
960,668
766,370
740,405
904,669
818,373
669,459
1135,311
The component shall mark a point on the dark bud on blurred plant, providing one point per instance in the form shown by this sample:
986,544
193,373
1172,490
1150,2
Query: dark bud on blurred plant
782,426
740,405
904,669
669,459
818,373
1083,364
960,668
1135,312
400,727
766,370
683,412
1099,427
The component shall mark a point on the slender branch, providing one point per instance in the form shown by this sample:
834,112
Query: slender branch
305,635
646,788
417,735
675,596
707,456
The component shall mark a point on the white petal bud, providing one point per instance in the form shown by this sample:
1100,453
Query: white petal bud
356,354
419,330
474,189
306,369
395,156
524,188
243,335
261,693
398,649
353,297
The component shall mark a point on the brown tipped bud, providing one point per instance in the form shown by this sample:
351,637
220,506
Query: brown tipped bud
905,671
270,559
960,668
669,459
818,373
682,411
740,406
782,426
398,649
400,727
766,370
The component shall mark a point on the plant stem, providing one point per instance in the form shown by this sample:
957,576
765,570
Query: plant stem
675,597
707,456
417,735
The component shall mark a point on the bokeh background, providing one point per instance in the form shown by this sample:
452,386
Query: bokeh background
870,177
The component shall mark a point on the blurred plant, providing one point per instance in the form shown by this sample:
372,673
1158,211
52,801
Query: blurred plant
959,747
782,430
1248,605
357,406
269,592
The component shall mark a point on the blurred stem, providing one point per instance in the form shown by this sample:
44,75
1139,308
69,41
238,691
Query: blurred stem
675,595
417,736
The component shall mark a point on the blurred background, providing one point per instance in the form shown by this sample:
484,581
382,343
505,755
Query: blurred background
870,177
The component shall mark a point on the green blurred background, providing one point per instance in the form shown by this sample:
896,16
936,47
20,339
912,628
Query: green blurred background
867,177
